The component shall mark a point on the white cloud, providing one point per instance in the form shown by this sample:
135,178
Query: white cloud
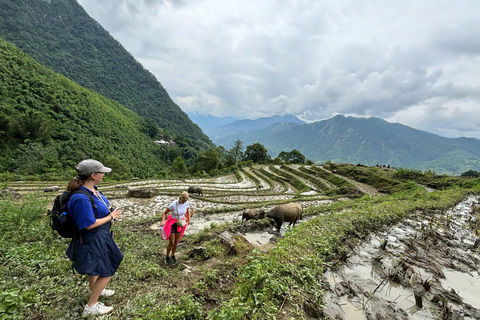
398,60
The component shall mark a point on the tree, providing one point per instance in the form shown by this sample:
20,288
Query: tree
178,166
257,153
119,169
296,157
293,156
284,156
471,173
207,161
237,151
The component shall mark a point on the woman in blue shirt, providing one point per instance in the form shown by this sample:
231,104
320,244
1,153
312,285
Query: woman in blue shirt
93,251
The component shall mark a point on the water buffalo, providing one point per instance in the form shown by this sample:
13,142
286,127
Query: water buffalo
289,212
51,189
249,214
195,189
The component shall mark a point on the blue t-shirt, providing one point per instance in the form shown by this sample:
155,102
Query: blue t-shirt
80,207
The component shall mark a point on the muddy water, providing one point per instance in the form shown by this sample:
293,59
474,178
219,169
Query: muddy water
378,283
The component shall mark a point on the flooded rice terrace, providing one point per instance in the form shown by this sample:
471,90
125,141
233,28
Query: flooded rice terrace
133,208
421,268
425,267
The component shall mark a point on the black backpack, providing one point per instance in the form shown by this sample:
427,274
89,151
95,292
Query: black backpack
60,220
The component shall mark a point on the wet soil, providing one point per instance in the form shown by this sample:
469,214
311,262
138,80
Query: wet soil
425,267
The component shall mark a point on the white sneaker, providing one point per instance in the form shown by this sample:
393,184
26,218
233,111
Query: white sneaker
97,309
105,292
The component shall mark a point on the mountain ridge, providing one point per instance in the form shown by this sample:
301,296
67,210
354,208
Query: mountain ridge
368,141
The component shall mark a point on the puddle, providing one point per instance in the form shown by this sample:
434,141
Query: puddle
258,238
344,307
466,285
355,307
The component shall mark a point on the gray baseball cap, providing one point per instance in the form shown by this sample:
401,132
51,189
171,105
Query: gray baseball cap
90,166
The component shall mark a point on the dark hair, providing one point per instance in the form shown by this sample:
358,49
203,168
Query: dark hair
76,182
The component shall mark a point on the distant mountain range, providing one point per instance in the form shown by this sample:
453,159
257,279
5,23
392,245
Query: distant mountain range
239,126
207,121
368,141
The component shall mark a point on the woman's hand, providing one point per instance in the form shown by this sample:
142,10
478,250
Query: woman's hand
163,223
116,213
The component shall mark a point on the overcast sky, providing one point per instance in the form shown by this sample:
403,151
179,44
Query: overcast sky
415,62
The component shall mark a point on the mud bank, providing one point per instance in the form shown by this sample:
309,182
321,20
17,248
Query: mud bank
425,267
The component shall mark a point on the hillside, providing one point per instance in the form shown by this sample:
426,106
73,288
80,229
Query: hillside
48,123
366,141
62,36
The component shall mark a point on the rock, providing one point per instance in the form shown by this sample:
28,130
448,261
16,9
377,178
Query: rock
227,239
11,193
210,263
17,196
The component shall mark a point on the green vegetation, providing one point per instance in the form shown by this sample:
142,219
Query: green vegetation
63,37
256,153
298,184
247,285
50,123
369,175
293,156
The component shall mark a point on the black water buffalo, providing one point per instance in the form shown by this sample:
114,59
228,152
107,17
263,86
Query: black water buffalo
289,212
249,214
195,189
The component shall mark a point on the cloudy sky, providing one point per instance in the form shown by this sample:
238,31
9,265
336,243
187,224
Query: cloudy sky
412,62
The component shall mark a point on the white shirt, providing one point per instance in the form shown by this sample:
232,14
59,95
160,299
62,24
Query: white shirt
182,209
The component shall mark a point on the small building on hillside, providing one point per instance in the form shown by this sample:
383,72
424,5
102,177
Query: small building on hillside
169,143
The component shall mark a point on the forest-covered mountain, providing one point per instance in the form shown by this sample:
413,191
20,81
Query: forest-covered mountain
60,35
48,123
368,141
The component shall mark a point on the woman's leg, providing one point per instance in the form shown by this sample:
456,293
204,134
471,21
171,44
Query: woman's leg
175,244
91,281
171,242
99,283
